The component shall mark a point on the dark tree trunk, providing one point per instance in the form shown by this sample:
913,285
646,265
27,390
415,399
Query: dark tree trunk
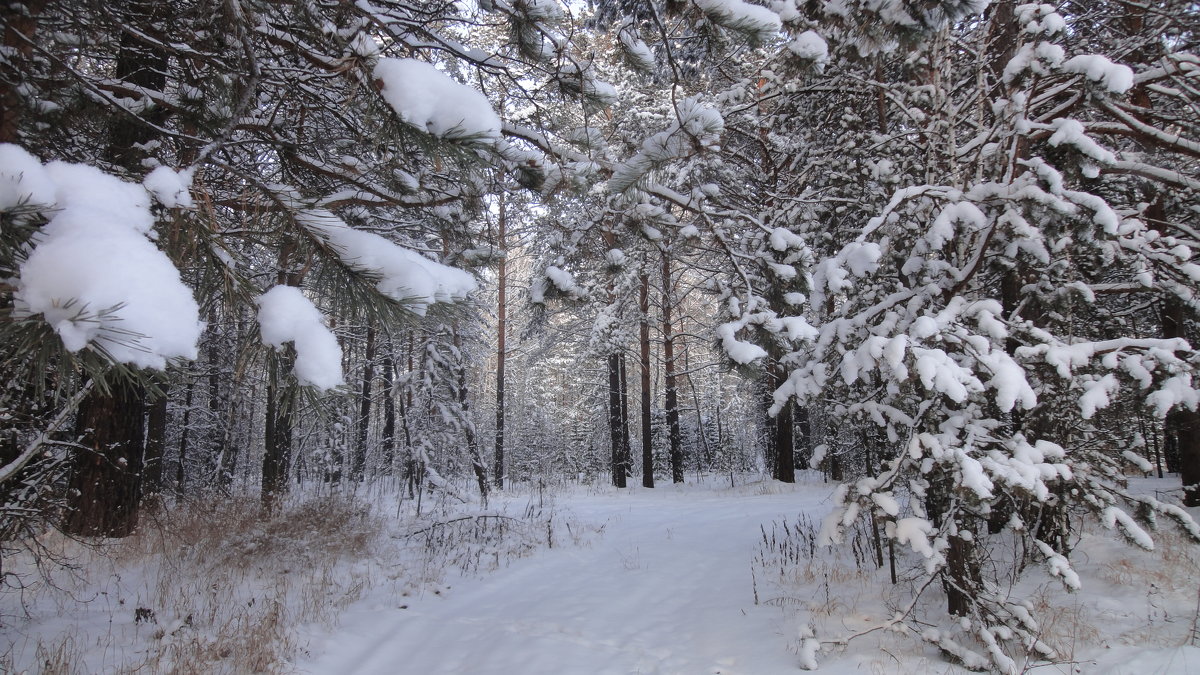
785,457
20,25
780,450
961,579
359,463
614,420
185,435
770,453
464,403
804,443
411,475
644,344
156,441
106,481
672,395
501,346
215,434
389,411
626,452
281,404
106,485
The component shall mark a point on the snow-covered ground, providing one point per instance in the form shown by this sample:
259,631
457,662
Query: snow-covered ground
664,585
578,580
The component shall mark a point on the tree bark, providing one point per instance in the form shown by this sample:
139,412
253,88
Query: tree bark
359,462
468,427
19,27
614,420
106,482
671,396
389,411
1182,425
281,403
156,441
644,344
626,452
501,347
185,432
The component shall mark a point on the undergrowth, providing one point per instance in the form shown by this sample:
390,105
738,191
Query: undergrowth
825,592
220,586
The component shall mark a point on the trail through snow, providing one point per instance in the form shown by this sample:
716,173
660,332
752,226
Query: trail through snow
664,587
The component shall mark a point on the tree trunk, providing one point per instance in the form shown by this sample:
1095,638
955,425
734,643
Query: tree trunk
359,463
644,344
281,405
501,335
785,454
389,411
19,27
614,420
156,441
672,397
411,475
626,452
185,433
216,436
468,426
106,481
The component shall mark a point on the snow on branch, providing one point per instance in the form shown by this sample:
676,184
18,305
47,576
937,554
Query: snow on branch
94,274
697,128
760,23
404,275
428,99
285,315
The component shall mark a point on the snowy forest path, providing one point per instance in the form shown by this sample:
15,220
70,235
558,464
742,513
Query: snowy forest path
663,587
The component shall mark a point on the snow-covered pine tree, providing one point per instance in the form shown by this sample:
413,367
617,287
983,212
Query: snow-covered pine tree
976,330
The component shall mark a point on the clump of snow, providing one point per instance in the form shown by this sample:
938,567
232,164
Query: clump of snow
1039,59
739,350
405,276
636,50
170,187
914,532
1072,133
862,257
430,100
782,239
696,123
93,273
1096,395
759,22
942,229
562,280
811,46
23,181
285,315
1115,77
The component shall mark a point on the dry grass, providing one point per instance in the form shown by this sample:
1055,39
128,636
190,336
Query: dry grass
1065,627
223,587
214,587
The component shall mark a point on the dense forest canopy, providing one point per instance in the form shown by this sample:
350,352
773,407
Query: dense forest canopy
939,250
